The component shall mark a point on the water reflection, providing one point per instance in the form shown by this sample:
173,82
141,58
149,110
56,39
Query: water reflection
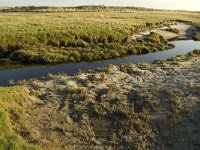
181,47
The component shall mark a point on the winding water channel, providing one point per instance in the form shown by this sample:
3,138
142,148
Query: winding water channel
27,72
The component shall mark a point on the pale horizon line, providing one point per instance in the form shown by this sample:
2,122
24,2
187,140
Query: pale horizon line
101,5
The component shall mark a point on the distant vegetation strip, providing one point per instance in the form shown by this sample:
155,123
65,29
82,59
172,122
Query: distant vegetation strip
86,8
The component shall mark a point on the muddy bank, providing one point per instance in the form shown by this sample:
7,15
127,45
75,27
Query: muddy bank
176,30
131,106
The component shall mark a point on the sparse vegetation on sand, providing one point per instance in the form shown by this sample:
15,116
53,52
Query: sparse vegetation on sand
127,107
173,30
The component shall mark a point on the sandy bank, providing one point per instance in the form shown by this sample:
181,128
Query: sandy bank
145,106
186,31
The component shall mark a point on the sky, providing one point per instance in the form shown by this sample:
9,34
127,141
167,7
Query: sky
161,4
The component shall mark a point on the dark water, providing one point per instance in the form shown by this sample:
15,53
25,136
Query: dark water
181,47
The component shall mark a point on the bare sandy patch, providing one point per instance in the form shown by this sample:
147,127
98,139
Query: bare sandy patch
185,31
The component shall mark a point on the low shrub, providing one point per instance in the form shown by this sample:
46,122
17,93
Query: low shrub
23,56
197,36
173,30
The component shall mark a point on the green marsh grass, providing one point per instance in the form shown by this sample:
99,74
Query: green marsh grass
35,37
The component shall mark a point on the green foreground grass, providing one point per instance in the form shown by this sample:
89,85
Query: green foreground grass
79,36
10,98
